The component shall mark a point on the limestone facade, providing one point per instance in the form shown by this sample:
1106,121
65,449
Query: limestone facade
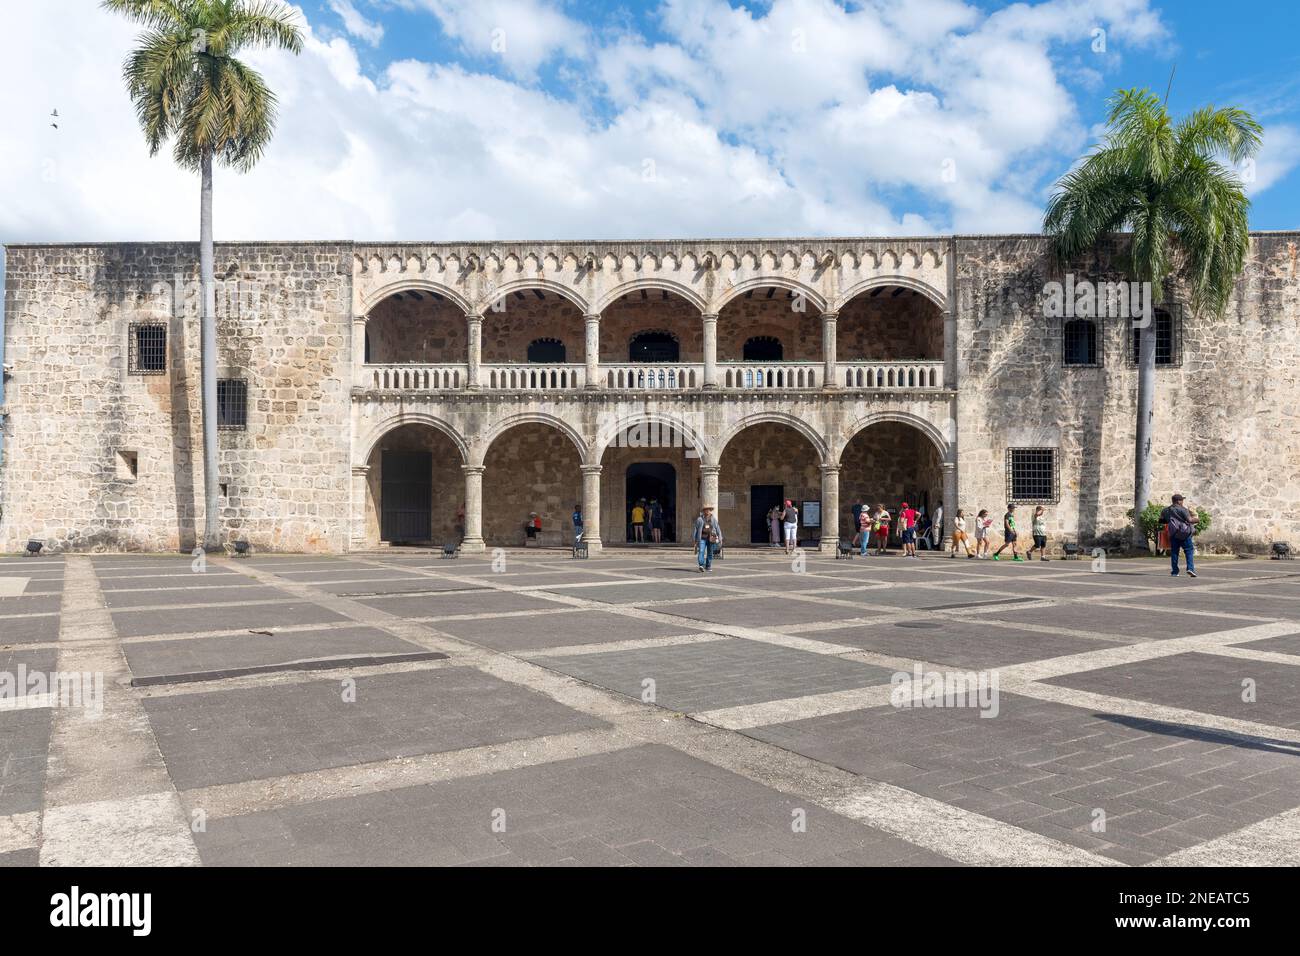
907,368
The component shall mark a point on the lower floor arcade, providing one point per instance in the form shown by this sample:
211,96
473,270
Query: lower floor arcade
644,483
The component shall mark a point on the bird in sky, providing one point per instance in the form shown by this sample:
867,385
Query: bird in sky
55,115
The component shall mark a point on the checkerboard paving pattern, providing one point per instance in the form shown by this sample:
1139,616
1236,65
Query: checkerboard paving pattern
397,708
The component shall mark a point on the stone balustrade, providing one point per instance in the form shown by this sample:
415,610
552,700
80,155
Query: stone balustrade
666,377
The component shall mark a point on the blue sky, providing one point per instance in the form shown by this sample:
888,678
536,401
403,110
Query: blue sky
495,119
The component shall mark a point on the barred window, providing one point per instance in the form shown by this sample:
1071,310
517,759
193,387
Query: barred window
1031,475
232,403
1168,344
1079,343
147,349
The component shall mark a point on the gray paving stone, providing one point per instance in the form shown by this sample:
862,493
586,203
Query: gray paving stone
1285,644
764,611
696,677
236,617
973,643
29,604
452,603
24,741
29,630
155,659
953,754
1255,602
207,594
251,733
27,857
622,804
559,630
1137,622
1203,682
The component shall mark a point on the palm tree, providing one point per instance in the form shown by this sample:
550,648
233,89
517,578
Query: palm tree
188,86
1171,186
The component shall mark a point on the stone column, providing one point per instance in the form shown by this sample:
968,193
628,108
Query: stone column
475,357
592,353
830,374
830,508
709,488
360,478
359,351
950,504
591,507
473,542
949,349
710,351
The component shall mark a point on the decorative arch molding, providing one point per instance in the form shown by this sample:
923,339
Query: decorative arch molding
381,428
815,298
480,452
819,443
923,425
906,282
611,432
409,283
561,289
617,292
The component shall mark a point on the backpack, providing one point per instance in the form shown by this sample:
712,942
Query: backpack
1178,528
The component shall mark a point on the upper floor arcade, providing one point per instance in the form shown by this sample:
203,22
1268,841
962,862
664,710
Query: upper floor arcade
873,315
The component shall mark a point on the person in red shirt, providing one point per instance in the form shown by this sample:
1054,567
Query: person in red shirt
907,529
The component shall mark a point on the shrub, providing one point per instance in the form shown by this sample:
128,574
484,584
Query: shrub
1151,520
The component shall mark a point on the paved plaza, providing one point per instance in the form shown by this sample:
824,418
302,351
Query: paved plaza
525,708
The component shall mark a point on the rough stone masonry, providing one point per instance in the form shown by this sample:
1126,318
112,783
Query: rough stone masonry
433,391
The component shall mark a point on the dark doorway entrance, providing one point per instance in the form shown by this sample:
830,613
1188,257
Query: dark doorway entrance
653,481
762,498
406,496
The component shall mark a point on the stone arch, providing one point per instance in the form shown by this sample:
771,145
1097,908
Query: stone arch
377,432
612,431
561,289
479,453
615,293
417,284
907,282
820,445
815,298
926,427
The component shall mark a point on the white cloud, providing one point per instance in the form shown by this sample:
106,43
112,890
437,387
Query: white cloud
1277,157
356,24
802,118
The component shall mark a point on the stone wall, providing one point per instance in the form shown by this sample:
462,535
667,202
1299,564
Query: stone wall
529,468
75,410
765,454
754,313
1227,423
888,464
891,324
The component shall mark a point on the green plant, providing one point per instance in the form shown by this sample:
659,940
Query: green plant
1149,520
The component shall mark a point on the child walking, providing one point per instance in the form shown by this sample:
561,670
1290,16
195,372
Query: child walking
1009,536
982,525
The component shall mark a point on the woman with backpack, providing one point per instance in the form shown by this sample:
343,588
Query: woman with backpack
707,538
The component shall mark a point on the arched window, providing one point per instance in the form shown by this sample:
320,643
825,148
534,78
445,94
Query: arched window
653,347
547,351
1080,343
763,348
367,347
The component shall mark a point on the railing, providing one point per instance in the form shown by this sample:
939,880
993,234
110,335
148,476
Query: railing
890,375
531,378
774,375
653,378
420,378
674,377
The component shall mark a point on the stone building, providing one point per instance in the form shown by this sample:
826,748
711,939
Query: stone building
409,392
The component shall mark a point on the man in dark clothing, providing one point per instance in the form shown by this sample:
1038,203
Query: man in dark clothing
1181,525
577,524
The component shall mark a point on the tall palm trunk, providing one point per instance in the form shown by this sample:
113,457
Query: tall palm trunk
1145,410
208,333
